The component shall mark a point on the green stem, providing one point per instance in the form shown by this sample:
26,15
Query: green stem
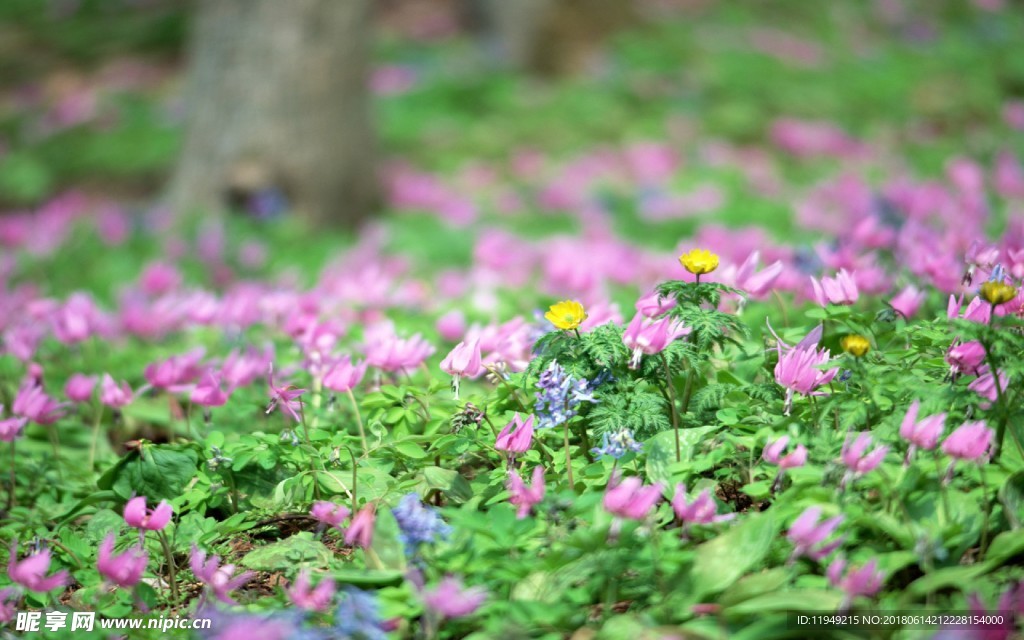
1003,413
672,403
568,458
14,479
51,431
95,435
171,569
355,479
359,421
988,510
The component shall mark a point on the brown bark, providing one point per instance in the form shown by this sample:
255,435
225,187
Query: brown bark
278,98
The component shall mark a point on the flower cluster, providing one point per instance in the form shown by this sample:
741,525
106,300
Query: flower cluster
419,524
560,396
617,444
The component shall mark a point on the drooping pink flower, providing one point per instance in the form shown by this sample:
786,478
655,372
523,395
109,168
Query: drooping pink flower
525,498
451,599
285,397
1000,623
516,436
221,580
839,290
329,513
32,403
985,384
242,369
388,352
208,392
303,595
855,458
969,442
76,319
124,570
451,325
629,498
176,373
11,428
798,370
922,433
965,358
360,532
115,395
651,306
858,581
8,604
908,301
977,310
755,283
137,515
773,453
463,360
30,572
159,278
808,535
343,375
702,510
646,336
79,387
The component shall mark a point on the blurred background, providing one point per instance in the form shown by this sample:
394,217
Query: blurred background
652,118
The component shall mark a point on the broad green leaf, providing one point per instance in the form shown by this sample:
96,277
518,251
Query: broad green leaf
722,561
299,551
661,450
159,472
792,600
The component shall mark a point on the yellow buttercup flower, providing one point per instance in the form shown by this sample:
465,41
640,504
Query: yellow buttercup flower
997,293
699,261
855,345
567,314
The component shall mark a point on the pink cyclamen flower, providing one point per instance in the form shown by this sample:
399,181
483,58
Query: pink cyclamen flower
773,454
79,387
32,403
462,361
208,393
855,458
137,515
970,441
965,358
646,336
124,570
303,595
176,373
628,498
360,532
451,599
651,306
516,436
977,310
985,385
343,375
8,604
908,301
285,397
329,513
702,510
808,535
220,580
524,497
922,433
839,290
451,325
11,428
858,581
1001,621
798,371
115,395
756,285
31,571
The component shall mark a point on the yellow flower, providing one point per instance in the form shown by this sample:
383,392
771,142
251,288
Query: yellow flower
567,314
997,292
855,345
699,261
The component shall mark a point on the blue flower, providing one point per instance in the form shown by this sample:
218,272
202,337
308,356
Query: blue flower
559,397
357,616
618,444
418,523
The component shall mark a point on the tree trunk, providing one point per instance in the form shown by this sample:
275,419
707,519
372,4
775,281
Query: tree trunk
279,108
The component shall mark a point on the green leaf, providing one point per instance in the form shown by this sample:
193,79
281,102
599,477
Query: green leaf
299,551
794,600
448,481
366,578
1011,494
661,450
410,450
754,585
722,561
387,550
159,472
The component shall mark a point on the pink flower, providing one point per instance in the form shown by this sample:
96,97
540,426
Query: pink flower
360,532
985,385
30,572
220,580
451,599
302,595
124,570
628,498
773,453
924,433
32,403
651,306
11,428
451,325
977,311
285,397
329,513
701,511
137,515
114,395
966,358
839,290
462,361
970,441
176,373
343,375
860,581
242,369
525,498
797,369
908,301
807,535
76,320
517,441
79,387
1001,626
645,336
756,285
856,459
208,392
159,278
388,352
8,604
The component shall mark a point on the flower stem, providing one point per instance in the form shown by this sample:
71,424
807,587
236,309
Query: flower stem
359,421
95,436
568,458
672,403
171,570
14,478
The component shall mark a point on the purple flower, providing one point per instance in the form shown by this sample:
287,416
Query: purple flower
208,393
329,513
839,290
342,376
137,515
798,368
79,387
31,571
32,403
922,433
617,444
285,397
807,535
219,579
525,498
702,510
859,581
647,337
559,396
124,570
856,459
965,358
176,373
419,523
115,395
451,599
303,595
360,532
